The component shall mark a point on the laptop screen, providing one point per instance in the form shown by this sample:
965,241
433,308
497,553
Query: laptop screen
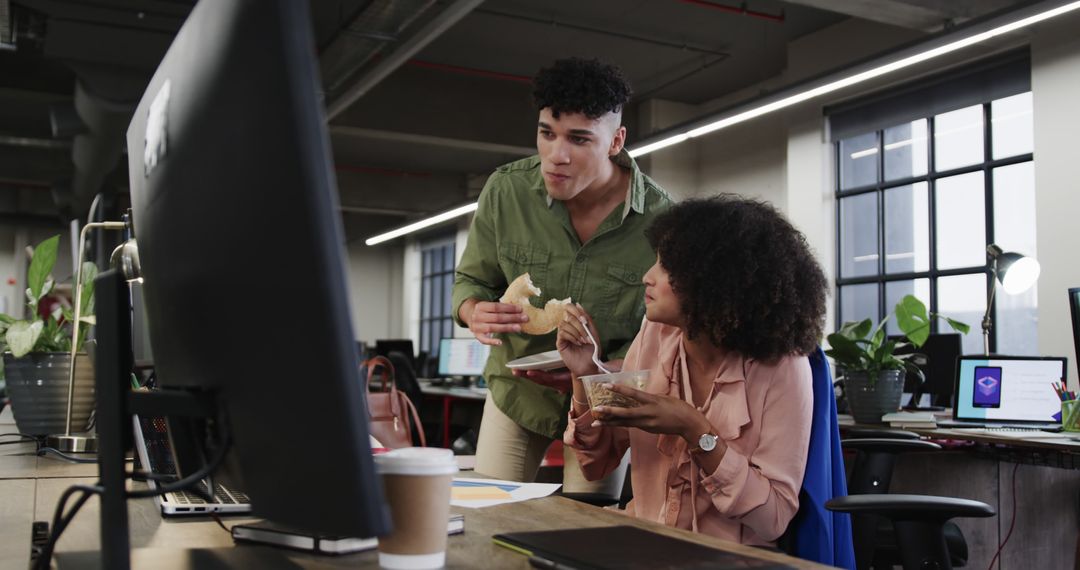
1008,388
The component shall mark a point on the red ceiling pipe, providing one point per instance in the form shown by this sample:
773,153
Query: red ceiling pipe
741,9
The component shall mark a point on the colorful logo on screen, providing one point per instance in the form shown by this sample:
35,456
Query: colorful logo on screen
987,384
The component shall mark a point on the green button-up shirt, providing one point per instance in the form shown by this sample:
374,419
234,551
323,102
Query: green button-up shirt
518,228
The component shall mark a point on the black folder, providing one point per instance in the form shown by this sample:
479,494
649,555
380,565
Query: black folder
623,548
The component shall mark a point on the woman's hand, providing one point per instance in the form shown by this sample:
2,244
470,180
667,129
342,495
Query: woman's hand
657,414
573,344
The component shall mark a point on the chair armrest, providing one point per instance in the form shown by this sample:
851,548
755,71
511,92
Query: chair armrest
910,507
889,445
879,433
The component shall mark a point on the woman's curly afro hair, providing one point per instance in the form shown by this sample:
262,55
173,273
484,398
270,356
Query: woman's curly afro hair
744,276
585,86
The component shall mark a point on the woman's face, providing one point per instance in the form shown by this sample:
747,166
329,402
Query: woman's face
661,304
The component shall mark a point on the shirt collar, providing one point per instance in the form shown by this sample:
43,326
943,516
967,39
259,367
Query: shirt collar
636,201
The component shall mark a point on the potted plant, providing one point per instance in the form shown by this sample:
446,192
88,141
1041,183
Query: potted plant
873,372
37,351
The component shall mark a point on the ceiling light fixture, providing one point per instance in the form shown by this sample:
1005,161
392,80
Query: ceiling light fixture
945,43
417,226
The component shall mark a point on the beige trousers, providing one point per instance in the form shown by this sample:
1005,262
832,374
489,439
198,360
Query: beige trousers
508,451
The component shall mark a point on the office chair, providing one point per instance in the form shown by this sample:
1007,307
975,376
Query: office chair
815,533
911,530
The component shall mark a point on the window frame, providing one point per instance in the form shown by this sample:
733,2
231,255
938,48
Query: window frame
881,278
448,246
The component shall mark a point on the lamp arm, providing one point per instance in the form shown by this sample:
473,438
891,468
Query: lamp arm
986,322
78,310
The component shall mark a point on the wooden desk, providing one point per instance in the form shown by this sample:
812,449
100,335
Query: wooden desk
473,549
448,394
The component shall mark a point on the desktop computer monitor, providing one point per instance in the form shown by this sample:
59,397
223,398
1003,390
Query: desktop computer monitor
235,211
462,357
383,347
1074,308
938,364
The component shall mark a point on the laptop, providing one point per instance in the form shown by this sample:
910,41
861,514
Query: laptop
155,456
1007,392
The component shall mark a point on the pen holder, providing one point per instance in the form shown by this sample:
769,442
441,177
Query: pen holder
1070,415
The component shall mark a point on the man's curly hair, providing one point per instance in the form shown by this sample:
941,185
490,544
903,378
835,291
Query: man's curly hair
577,85
744,276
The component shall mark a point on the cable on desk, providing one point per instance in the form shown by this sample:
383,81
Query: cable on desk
221,523
1012,522
61,521
22,437
192,479
61,454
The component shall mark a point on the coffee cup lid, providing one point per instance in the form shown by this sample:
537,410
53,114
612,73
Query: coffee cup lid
417,461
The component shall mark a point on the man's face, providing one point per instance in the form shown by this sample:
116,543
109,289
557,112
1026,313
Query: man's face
575,150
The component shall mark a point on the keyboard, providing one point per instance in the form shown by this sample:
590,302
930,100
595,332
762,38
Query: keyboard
222,496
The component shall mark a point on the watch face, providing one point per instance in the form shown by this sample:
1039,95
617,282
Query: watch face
707,442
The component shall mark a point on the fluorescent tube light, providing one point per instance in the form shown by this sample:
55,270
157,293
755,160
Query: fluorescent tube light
449,215
734,117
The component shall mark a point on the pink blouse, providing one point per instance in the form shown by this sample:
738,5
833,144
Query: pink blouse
762,411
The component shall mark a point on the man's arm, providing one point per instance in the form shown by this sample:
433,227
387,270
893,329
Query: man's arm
479,280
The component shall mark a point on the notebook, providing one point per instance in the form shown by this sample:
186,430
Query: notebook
623,548
155,456
1007,392
267,532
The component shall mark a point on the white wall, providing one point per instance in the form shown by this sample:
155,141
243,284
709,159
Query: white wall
375,290
1055,87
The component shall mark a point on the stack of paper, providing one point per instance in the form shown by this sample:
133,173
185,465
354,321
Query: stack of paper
910,419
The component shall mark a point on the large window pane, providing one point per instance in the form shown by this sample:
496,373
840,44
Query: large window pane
958,138
1014,208
907,229
963,298
1011,122
858,161
858,235
895,290
905,150
858,302
961,221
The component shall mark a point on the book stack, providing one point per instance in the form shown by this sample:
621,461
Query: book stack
910,419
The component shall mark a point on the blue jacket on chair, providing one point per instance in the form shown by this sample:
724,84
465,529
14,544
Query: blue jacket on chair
821,535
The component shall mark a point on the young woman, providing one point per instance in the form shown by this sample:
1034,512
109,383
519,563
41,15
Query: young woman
718,445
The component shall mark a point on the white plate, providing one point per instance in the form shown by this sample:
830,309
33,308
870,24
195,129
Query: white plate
543,361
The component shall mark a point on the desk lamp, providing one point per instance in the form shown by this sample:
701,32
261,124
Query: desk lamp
1017,274
126,258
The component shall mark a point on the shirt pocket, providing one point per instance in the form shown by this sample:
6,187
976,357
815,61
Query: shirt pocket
516,258
623,295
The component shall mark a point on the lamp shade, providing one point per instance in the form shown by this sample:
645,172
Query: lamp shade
1017,273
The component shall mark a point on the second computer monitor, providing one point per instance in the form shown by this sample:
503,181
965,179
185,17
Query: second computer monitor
939,367
462,357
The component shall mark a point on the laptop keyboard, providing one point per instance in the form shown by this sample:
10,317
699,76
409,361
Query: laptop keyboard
222,496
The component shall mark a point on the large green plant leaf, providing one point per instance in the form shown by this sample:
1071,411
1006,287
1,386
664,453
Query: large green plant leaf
913,320
957,325
41,265
856,329
21,337
845,351
86,302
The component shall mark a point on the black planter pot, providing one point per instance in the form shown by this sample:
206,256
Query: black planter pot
38,387
870,402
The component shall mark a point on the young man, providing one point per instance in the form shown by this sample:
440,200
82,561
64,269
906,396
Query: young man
574,218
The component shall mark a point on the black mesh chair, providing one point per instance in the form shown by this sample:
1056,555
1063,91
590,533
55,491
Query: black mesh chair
910,530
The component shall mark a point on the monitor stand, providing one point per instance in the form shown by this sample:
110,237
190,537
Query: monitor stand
116,404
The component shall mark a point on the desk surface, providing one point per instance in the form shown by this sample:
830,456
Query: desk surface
31,487
1029,439
471,393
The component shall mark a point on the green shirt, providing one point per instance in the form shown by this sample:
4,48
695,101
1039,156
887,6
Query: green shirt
518,228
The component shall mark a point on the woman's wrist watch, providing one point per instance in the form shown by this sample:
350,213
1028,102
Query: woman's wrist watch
706,443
